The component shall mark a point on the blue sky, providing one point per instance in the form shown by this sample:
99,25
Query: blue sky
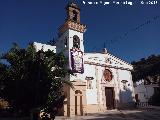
129,32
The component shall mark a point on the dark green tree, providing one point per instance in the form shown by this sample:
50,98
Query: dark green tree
34,79
3,73
147,69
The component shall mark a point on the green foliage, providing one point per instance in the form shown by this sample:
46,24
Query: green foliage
33,79
147,69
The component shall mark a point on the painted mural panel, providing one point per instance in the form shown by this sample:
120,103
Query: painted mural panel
77,61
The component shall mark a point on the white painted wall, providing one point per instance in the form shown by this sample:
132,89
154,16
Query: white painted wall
144,91
60,43
45,47
119,74
91,94
126,95
107,59
68,34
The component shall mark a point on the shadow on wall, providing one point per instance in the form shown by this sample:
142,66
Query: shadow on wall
126,99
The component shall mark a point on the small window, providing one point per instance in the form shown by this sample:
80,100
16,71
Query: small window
89,84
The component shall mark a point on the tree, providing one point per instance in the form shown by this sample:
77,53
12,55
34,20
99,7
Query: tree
147,69
34,79
3,73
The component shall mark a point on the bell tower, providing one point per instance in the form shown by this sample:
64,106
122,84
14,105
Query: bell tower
71,41
71,37
73,12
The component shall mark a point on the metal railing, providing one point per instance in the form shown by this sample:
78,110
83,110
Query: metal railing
143,104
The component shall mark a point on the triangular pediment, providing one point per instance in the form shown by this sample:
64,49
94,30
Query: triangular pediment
106,60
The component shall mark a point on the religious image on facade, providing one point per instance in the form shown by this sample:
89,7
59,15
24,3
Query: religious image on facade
77,61
101,80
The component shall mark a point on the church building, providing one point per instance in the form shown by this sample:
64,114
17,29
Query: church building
101,81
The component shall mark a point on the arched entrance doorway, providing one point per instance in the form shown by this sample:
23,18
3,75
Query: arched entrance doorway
78,103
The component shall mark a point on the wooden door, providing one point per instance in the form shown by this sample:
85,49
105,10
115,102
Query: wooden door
109,92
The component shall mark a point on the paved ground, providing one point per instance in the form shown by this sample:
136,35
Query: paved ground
138,114
150,113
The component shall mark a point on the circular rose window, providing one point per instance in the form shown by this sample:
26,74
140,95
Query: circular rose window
107,75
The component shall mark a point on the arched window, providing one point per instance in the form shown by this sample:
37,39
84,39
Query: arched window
76,42
75,16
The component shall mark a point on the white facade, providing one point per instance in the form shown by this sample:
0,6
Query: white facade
94,66
44,47
102,81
